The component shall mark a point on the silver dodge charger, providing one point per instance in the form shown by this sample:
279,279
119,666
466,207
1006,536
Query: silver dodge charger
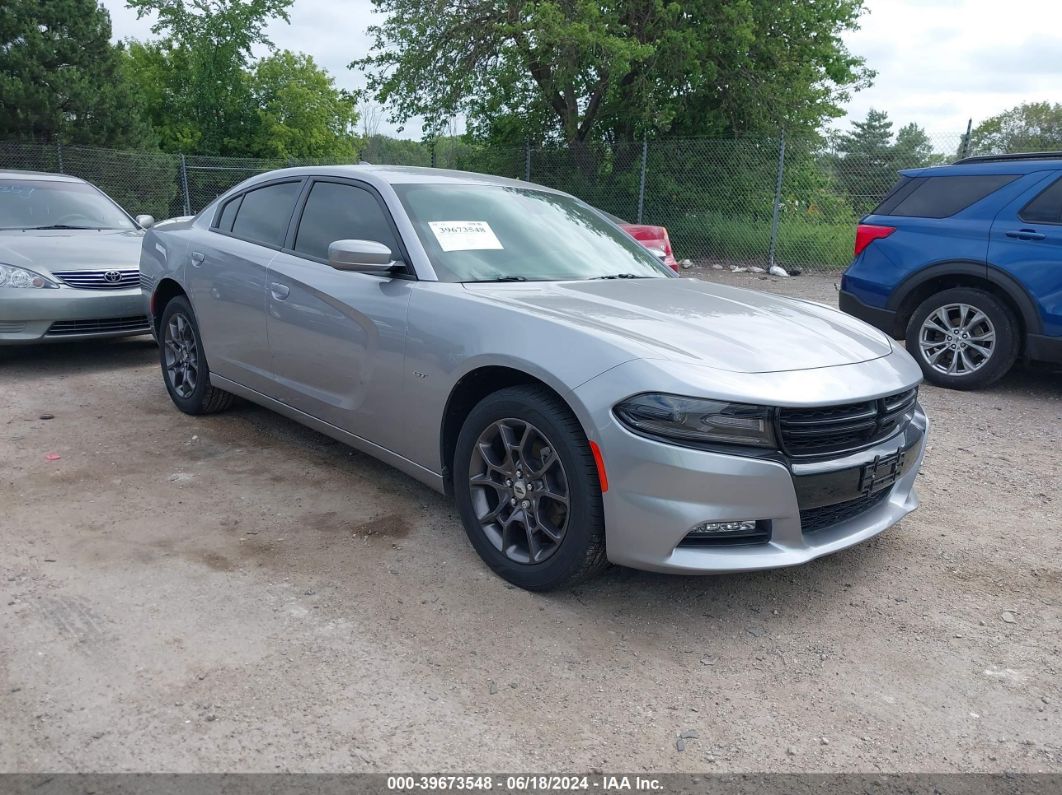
68,261
511,346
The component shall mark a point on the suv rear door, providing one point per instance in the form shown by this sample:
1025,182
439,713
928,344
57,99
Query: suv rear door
1026,242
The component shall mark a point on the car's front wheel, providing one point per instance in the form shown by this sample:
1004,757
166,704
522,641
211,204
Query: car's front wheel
528,490
963,338
184,364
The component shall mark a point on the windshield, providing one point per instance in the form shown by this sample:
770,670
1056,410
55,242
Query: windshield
494,233
41,204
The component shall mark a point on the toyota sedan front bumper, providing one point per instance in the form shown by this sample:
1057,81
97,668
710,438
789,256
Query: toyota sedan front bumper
67,313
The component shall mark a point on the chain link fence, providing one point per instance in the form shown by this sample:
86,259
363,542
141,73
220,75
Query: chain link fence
739,202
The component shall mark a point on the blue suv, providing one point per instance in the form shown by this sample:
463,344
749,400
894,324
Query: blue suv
965,263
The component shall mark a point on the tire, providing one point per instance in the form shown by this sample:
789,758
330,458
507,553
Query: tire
184,365
547,447
947,358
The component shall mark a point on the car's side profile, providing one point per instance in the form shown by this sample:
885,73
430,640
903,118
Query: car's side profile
965,263
507,344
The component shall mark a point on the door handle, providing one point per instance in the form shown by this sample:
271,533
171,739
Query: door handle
279,291
197,258
1026,234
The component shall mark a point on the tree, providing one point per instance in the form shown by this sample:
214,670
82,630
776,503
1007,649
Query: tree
301,113
203,60
1029,127
912,148
867,166
62,79
575,71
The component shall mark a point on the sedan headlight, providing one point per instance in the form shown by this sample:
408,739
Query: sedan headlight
10,276
696,420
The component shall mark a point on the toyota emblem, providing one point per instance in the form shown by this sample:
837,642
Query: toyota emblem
113,276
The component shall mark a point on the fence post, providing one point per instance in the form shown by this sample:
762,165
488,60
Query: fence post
433,153
641,179
966,140
527,160
59,152
184,186
777,201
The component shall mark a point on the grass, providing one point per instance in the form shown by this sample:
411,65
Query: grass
810,244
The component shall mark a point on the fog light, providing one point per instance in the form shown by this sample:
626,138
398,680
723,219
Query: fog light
723,528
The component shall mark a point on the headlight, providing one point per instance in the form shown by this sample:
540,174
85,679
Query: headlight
10,276
697,420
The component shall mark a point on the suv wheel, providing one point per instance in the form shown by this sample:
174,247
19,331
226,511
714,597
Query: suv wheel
184,365
527,490
963,338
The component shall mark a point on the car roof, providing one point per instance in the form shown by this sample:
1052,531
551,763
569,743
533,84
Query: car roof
975,167
398,175
42,176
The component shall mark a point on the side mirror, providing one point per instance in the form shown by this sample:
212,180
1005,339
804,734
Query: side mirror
145,221
365,256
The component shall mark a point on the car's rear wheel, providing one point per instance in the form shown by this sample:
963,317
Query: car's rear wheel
527,489
184,364
963,338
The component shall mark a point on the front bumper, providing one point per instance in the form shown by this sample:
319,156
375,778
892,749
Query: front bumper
67,313
658,492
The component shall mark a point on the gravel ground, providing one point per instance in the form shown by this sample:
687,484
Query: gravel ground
237,593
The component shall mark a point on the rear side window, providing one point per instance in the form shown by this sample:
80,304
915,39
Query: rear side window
228,214
264,213
1045,208
940,197
341,212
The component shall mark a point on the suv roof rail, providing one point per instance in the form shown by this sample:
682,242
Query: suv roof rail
1015,156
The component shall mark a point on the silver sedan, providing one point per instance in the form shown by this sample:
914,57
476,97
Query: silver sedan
69,261
511,346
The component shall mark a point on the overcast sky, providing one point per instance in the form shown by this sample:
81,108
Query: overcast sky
939,62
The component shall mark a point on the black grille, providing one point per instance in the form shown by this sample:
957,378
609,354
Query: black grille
115,324
814,519
833,429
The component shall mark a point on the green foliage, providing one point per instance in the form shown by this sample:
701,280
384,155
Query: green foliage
1030,127
62,79
869,158
202,61
207,95
301,114
576,71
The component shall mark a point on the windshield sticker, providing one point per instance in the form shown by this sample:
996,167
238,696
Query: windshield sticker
464,235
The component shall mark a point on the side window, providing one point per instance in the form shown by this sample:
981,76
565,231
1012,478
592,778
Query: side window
941,197
1045,208
263,215
228,214
336,211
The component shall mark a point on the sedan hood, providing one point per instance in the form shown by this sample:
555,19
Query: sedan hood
71,250
688,320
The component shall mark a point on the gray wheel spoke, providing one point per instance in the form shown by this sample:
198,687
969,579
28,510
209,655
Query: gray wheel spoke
958,348
519,491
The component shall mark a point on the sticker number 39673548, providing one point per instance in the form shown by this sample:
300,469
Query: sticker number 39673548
464,235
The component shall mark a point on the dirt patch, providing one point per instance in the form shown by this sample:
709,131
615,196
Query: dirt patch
237,593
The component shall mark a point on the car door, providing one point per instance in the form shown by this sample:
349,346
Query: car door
227,280
338,337
1026,242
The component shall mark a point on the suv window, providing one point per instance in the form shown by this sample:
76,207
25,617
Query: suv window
1045,208
263,215
336,211
940,197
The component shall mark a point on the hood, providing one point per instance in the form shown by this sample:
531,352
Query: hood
688,320
71,250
